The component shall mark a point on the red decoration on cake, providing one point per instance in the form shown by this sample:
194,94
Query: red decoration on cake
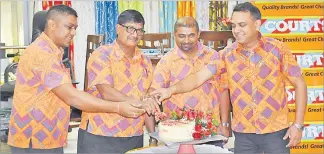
206,124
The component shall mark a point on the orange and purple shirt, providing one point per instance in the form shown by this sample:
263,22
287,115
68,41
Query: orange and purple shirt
108,65
38,115
174,67
256,80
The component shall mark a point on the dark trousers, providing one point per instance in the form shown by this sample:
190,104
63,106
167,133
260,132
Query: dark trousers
261,143
89,143
15,150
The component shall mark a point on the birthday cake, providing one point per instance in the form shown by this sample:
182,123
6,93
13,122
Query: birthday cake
176,130
186,125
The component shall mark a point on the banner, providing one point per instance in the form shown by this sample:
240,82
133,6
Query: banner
295,8
292,25
300,41
314,95
308,147
299,24
309,58
313,76
312,139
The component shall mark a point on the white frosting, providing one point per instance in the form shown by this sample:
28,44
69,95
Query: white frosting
176,130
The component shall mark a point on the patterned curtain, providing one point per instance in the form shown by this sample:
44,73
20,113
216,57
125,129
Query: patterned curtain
151,16
106,19
186,8
127,4
202,15
47,4
167,16
218,11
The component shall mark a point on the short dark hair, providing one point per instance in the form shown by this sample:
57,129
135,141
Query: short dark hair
60,9
248,7
130,16
186,21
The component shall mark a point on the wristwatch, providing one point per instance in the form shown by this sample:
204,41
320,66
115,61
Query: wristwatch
299,127
225,124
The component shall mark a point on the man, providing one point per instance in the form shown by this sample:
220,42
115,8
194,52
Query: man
117,72
254,68
43,94
189,56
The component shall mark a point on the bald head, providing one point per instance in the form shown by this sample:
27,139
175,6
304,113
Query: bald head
58,11
186,21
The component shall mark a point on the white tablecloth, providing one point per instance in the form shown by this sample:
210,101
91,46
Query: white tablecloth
174,149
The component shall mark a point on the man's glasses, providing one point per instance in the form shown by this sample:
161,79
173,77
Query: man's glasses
131,30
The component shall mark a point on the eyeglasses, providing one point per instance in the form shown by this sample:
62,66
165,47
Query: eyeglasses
131,30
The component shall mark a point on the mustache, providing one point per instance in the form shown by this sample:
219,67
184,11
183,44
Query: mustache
133,38
186,43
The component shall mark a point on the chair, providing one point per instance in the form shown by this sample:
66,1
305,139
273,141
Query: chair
39,21
93,41
218,39
155,37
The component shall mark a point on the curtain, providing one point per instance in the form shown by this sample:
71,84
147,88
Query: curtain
126,4
48,4
12,30
218,11
186,8
106,19
167,17
202,15
151,16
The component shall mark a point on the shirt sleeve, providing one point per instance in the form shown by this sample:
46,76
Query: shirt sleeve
49,70
147,73
161,75
99,68
289,66
217,66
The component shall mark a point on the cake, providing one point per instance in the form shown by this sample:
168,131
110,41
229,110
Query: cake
176,130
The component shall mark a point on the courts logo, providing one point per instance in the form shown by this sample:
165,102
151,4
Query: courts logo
309,60
292,25
315,95
313,132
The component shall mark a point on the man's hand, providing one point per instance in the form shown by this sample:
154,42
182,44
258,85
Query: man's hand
130,109
162,93
149,104
225,132
294,135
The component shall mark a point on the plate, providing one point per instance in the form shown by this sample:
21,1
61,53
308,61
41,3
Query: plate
174,149
212,138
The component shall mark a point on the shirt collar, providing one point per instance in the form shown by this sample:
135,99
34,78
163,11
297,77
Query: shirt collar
55,49
262,42
119,53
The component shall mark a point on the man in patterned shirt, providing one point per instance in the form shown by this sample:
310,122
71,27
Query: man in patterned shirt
189,56
43,94
117,72
254,69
